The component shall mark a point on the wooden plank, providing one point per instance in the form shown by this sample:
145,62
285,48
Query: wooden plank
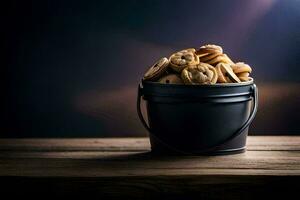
154,187
118,154
257,143
273,143
60,169
76,144
102,164
118,168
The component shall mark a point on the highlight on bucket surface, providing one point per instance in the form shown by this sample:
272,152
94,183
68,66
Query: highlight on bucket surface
206,65
199,102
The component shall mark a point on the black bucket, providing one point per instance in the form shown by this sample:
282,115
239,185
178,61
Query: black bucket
198,119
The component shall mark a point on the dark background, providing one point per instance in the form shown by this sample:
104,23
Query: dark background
70,68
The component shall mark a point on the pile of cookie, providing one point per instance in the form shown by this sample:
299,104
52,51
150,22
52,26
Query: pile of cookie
207,65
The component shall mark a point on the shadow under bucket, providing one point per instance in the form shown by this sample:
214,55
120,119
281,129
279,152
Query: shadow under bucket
198,119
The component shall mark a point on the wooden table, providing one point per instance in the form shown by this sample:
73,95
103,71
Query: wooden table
123,167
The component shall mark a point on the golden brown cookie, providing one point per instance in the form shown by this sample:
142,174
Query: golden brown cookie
242,70
243,74
171,79
244,79
182,59
209,57
222,78
209,49
221,58
212,54
157,70
229,73
241,67
199,74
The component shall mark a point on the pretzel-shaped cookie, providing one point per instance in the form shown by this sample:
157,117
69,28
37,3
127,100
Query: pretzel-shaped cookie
202,73
157,70
242,70
212,54
183,59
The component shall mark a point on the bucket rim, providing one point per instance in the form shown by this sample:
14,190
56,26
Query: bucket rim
246,83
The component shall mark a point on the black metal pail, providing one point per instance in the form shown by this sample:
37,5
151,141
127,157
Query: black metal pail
198,119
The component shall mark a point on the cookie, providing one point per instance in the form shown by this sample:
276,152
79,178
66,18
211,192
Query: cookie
199,74
244,79
209,57
243,74
221,58
209,49
212,54
207,65
157,70
171,79
221,73
183,59
241,67
229,73
242,70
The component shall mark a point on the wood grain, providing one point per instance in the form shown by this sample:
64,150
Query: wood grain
270,143
124,167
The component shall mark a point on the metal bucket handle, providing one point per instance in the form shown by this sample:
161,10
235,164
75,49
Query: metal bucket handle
254,94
